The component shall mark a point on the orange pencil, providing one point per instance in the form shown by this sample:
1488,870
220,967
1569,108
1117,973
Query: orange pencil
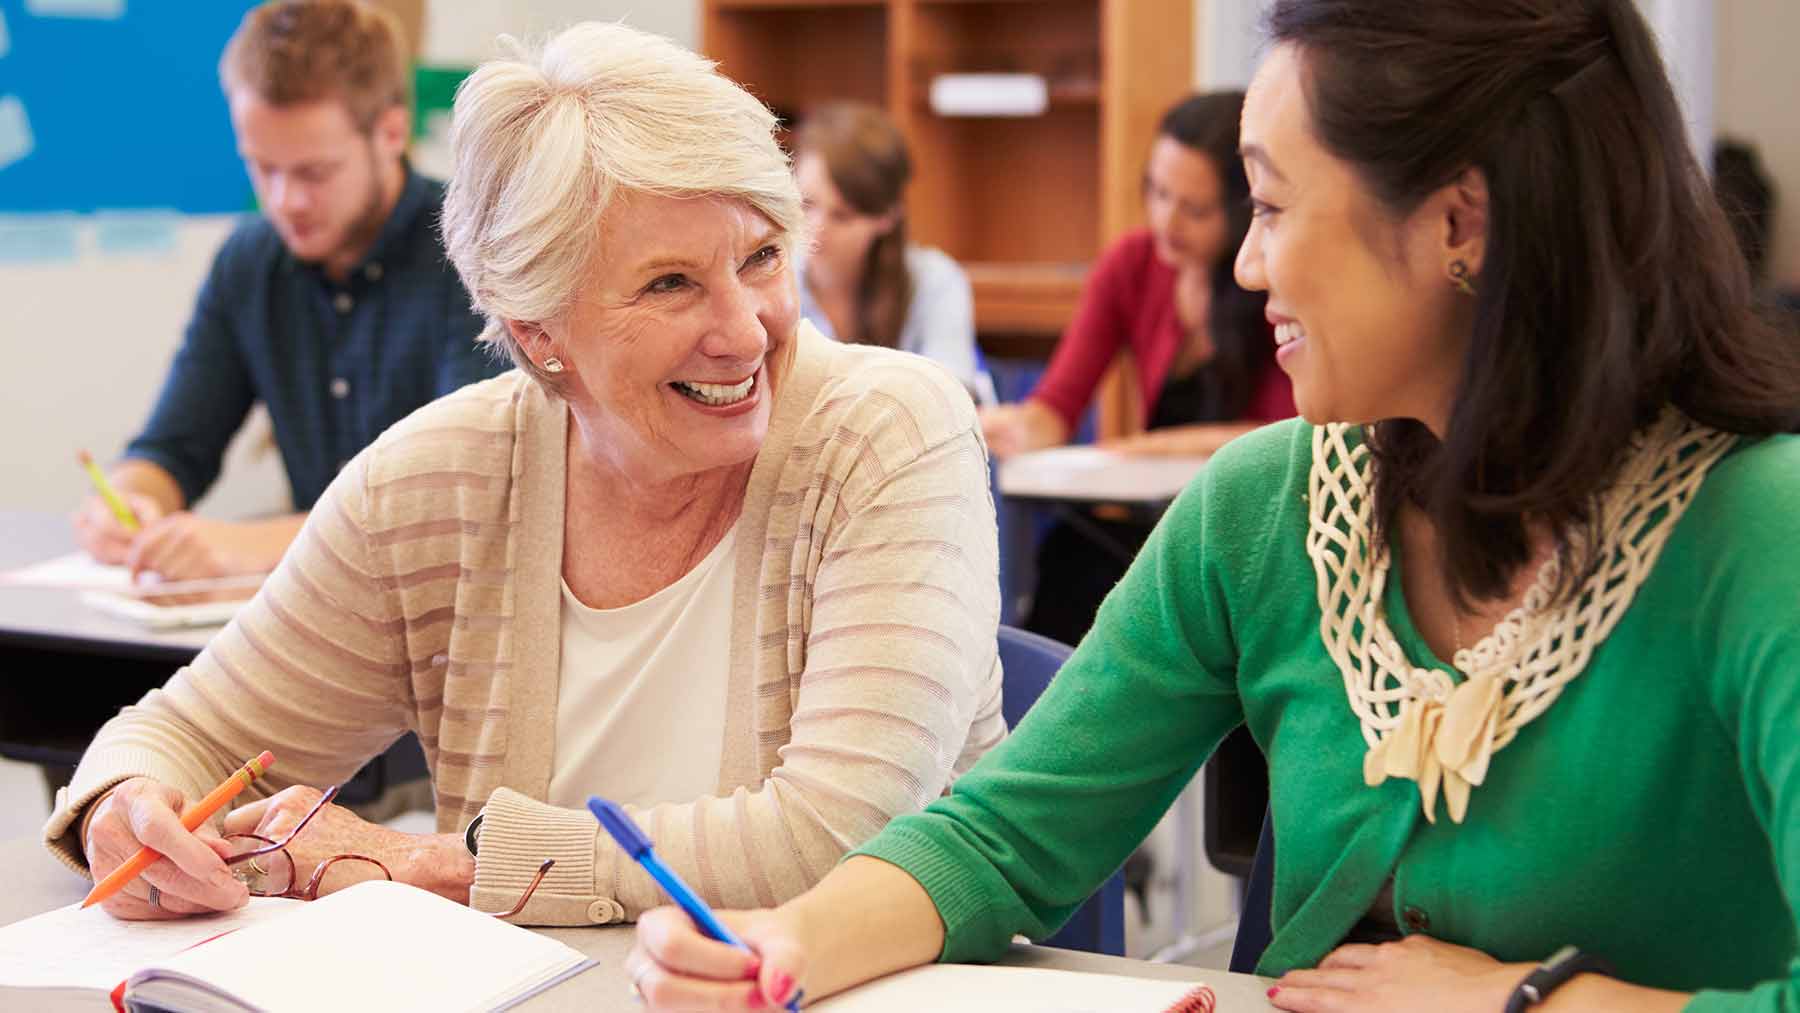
191,818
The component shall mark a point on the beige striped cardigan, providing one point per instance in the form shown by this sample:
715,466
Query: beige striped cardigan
424,595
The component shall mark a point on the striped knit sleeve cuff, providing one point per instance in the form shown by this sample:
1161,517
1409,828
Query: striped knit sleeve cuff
968,892
517,834
100,772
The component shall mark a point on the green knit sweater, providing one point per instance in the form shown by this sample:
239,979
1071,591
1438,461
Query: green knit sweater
1651,815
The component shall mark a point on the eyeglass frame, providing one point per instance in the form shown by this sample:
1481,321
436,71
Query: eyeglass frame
311,890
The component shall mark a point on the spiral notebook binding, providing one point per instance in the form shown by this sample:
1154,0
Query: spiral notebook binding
1200,1000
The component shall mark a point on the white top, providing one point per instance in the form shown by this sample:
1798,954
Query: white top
640,708
940,323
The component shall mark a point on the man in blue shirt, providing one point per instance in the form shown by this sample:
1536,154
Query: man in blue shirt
335,307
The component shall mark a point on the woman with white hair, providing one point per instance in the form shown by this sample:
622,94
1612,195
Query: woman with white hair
691,555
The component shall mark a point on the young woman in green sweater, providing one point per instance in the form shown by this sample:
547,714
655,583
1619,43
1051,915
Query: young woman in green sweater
1512,612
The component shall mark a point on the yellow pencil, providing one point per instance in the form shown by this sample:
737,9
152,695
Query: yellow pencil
119,509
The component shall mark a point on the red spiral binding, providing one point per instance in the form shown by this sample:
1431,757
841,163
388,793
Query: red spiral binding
1200,1000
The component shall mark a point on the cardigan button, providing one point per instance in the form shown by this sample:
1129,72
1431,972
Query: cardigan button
606,912
1415,918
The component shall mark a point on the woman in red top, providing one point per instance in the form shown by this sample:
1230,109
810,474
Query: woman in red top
1204,354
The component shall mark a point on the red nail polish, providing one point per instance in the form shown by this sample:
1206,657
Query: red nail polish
781,988
1273,990
753,970
756,999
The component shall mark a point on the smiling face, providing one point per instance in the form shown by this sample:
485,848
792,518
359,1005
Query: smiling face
1367,323
675,344
323,184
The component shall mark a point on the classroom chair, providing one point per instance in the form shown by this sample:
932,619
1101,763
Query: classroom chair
1254,930
1236,796
1028,662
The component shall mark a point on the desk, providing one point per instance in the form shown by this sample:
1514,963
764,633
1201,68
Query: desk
1068,480
65,669
51,643
36,883
55,619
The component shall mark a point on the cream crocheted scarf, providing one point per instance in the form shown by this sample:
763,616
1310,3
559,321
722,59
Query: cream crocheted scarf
1420,723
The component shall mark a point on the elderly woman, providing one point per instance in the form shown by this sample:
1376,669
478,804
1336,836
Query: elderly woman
1511,613
691,555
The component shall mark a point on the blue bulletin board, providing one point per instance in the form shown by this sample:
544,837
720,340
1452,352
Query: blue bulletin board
115,105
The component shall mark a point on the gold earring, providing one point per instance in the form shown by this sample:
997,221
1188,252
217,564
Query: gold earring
1459,277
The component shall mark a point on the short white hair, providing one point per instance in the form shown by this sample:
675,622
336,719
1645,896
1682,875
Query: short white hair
545,138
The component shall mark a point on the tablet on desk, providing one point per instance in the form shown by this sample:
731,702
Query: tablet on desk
153,616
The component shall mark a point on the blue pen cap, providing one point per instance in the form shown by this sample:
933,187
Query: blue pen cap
612,816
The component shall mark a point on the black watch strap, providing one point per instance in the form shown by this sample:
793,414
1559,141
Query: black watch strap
472,835
1564,964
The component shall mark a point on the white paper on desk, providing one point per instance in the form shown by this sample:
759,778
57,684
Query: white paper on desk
73,948
1072,458
969,988
76,571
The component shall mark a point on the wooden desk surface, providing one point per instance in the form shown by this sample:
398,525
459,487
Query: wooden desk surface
36,883
55,618
1088,474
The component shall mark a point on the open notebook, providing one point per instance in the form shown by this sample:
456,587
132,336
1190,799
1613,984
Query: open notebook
968,988
375,946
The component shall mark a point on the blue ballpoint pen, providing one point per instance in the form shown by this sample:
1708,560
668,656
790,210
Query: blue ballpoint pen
612,816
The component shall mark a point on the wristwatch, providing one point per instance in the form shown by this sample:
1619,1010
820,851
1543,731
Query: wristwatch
472,834
1564,964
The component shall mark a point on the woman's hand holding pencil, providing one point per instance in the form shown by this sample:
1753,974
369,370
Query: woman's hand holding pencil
184,871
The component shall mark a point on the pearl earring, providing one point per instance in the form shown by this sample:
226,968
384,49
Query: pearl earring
553,365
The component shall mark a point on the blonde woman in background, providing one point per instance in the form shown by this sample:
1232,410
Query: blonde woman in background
863,282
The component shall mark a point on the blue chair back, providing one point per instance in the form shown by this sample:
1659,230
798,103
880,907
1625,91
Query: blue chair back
1254,931
1029,661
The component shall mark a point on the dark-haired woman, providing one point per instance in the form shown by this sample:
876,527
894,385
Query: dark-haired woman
863,282
1203,362
1204,367
1512,612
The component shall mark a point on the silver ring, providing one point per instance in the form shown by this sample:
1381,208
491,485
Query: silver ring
155,897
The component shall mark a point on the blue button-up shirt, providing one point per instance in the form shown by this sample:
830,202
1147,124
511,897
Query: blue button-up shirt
336,362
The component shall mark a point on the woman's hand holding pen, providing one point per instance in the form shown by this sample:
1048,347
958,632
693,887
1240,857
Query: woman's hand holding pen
191,877
866,918
675,967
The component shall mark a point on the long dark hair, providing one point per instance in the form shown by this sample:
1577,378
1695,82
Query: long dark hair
1242,350
866,157
1611,285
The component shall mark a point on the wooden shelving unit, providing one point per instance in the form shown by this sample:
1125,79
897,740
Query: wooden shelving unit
1024,203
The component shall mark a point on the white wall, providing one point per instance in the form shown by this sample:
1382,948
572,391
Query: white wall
1684,29
461,33
87,342
1758,88
1228,42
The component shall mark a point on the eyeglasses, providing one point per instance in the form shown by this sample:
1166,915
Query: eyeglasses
267,870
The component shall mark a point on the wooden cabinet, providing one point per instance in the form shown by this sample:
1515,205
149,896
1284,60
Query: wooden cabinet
1024,203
